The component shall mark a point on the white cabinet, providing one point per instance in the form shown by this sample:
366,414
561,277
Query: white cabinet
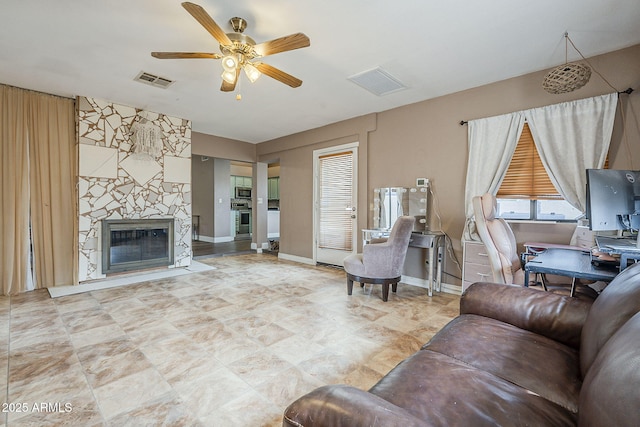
584,237
475,265
273,224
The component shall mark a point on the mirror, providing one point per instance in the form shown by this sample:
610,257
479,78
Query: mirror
391,202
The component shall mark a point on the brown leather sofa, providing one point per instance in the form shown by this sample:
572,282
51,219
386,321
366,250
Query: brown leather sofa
514,357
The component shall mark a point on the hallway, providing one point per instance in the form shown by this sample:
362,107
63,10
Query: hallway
207,249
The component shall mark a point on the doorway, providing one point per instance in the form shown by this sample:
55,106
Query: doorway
335,202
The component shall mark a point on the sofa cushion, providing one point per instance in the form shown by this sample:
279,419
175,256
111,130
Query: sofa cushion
611,391
619,301
444,391
531,361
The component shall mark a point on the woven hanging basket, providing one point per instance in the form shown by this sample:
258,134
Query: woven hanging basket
566,78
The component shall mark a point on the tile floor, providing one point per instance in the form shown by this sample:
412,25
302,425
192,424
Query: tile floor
226,347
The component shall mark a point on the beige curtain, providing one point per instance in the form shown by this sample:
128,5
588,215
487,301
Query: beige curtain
38,177
52,182
14,191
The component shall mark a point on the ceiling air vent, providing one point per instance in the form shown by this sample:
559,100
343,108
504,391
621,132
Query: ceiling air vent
153,80
378,81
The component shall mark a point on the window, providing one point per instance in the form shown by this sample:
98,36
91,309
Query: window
527,192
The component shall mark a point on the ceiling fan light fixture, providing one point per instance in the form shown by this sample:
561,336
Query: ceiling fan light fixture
238,50
252,72
229,63
229,76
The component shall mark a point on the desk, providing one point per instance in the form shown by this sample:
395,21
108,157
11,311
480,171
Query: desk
567,262
625,248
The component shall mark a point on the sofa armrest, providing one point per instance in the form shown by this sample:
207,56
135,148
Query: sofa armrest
558,317
341,406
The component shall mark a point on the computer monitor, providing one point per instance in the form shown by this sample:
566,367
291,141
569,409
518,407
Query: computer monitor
613,199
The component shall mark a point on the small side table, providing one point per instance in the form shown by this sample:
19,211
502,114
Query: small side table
434,242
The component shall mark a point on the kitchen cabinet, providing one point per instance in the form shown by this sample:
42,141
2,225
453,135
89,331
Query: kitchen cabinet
273,224
475,264
273,188
233,225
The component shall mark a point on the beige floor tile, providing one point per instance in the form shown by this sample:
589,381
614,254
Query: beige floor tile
128,393
231,346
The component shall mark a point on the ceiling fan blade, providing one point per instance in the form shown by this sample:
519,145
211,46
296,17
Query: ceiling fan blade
277,74
282,44
207,22
185,55
230,87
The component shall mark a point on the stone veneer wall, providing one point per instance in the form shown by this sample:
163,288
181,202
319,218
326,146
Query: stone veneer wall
115,184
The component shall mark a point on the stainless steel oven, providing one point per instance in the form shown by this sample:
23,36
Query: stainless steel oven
244,226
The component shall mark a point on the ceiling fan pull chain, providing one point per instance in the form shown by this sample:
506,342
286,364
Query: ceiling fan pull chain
238,94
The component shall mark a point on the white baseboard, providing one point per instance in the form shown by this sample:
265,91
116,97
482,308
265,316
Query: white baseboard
423,283
210,239
296,258
273,235
263,245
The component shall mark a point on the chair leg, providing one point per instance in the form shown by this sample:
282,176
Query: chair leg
394,287
385,292
349,285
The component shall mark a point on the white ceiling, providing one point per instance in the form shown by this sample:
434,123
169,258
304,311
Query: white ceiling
96,47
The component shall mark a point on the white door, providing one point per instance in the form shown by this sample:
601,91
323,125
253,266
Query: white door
335,199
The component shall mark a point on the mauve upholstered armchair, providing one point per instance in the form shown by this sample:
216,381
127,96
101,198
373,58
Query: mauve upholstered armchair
381,261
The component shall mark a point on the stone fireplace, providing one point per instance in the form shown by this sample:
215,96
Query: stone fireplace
135,244
116,183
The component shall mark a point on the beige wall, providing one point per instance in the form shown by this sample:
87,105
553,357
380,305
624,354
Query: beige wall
426,140
222,148
295,155
202,190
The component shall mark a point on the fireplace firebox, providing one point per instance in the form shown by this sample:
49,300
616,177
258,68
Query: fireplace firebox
135,244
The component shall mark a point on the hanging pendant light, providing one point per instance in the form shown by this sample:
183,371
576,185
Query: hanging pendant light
568,77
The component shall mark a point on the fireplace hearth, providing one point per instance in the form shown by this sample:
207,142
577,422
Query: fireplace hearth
135,244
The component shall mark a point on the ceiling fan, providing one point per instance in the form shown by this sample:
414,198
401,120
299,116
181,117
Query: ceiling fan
239,51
